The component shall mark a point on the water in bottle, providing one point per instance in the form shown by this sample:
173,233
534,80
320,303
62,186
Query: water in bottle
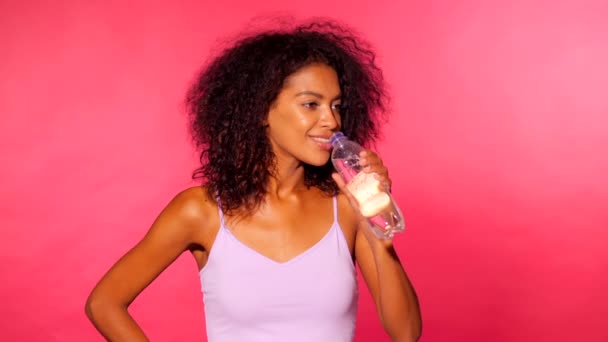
375,201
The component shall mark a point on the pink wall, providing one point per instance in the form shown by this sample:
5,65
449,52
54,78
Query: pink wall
498,149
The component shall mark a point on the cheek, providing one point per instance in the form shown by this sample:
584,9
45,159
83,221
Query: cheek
304,121
279,119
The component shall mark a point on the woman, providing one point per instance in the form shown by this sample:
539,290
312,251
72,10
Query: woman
272,228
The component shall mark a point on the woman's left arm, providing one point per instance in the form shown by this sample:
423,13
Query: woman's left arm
392,291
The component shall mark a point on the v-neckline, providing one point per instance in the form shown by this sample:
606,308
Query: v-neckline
292,259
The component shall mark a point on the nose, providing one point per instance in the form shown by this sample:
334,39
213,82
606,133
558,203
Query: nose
329,118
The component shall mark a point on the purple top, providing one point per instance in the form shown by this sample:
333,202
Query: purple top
250,297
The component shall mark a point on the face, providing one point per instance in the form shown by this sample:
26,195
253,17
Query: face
305,115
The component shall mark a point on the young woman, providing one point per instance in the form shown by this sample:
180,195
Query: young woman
272,227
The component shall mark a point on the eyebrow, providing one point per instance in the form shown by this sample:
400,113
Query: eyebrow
317,95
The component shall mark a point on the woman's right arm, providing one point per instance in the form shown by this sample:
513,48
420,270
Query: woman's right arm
173,232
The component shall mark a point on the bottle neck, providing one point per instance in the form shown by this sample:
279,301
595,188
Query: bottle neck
339,142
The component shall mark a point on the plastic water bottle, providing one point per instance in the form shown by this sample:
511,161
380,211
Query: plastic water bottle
375,201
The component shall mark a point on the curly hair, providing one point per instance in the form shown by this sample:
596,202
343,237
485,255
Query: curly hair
230,99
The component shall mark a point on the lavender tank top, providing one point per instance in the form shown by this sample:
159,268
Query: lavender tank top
250,297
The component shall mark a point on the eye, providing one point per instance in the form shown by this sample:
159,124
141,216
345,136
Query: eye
337,107
311,105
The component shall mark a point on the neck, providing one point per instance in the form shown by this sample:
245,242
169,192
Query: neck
287,178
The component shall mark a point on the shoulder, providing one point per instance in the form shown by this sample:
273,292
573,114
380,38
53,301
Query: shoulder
193,203
346,211
348,219
191,211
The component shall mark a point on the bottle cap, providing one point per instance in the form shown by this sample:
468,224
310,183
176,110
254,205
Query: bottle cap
337,136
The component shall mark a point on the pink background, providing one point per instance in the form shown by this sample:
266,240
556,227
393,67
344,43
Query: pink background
497,147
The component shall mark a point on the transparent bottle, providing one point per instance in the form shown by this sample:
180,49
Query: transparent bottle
375,201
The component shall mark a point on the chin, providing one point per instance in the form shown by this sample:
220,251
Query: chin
317,164
317,161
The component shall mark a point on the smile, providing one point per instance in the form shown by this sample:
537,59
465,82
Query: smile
321,140
323,143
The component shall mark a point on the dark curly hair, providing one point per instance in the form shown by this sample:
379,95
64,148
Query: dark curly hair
230,99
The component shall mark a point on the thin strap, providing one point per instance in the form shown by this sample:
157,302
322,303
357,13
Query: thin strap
219,208
335,209
342,243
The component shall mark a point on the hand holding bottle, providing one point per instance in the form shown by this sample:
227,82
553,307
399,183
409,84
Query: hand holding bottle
364,179
370,162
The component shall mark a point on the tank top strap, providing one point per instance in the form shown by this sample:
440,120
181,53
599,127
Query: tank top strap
335,200
221,213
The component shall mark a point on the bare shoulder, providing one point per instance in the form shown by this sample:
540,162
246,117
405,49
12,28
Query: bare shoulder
192,203
193,213
348,219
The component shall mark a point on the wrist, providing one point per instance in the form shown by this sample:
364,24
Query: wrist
375,243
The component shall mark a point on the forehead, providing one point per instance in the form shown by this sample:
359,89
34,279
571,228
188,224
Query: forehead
319,78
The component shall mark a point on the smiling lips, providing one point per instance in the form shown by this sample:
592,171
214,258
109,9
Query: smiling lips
324,143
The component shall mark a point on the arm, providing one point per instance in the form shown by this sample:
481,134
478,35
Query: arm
393,293
171,234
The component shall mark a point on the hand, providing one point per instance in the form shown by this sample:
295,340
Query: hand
370,163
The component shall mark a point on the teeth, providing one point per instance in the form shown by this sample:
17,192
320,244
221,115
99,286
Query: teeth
322,140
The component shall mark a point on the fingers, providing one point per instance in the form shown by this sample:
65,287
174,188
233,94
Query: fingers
338,181
371,163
